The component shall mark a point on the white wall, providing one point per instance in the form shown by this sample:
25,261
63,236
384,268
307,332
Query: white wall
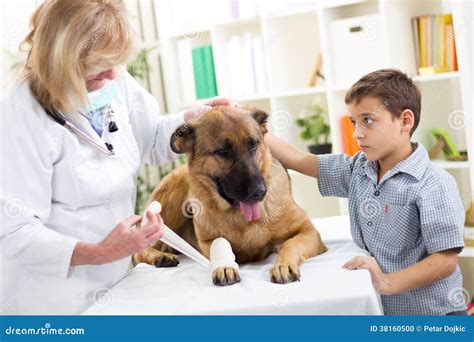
14,17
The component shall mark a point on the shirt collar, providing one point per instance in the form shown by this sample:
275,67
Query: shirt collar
415,165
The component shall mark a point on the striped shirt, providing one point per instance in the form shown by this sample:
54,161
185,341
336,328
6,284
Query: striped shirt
414,211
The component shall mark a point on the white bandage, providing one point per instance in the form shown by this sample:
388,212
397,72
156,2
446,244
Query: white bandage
174,240
222,255
155,208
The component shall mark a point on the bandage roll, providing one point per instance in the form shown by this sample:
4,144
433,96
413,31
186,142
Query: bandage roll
174,240
222,255
155,208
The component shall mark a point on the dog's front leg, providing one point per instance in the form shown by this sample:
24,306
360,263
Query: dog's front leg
293,252
156,258
225,272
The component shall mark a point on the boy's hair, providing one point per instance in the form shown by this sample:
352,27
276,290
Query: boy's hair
393,88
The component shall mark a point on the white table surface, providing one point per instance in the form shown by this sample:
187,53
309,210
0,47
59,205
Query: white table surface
324,289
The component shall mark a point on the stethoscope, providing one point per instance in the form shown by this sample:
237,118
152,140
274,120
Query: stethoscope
109,123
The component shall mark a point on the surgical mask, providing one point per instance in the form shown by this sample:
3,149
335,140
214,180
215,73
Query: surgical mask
103,96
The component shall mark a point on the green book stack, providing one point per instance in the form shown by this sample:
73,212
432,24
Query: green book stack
204,74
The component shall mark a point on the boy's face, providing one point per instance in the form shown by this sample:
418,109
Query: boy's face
377,131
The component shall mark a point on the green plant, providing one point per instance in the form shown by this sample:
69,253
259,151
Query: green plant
17,60
139,66
314,124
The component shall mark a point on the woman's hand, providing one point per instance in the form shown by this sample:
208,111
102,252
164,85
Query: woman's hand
199,109
123,241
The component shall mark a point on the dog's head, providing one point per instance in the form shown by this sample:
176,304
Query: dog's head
226,152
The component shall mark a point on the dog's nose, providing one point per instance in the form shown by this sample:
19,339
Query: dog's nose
258,194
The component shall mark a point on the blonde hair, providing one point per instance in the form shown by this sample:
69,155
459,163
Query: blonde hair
71,39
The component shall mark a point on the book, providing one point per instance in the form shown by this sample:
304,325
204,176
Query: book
416,39
233,65
199,74
204,73
434,41
259,65
210,74
186,72
349,143
316,71
248,85
245,62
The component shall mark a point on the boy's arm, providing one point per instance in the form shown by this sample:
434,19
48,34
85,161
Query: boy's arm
436,266
433,268
292,158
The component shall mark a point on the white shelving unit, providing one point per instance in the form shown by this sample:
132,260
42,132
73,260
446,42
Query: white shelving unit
293,33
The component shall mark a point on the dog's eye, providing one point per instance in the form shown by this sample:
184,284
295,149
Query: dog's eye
222,152
253,145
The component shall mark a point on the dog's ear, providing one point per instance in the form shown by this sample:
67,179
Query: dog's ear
262,119
182,139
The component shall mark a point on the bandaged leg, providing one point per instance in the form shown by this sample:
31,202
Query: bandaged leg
223,266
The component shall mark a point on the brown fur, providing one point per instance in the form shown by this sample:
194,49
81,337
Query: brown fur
283,225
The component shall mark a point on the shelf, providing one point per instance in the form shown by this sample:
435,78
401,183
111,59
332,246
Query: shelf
467,252
340,88
256,97
237,22
186,105
156,44
301,91
292,34
244,98
189,33
417,78
284,13
436,77
451,165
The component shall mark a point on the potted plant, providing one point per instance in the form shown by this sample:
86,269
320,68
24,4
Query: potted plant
315,128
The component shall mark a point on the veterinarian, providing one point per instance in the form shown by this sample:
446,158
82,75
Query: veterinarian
74,131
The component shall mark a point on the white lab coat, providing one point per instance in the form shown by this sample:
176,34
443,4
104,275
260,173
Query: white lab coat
56,190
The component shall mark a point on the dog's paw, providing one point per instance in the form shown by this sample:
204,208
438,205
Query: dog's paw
166,260
284,273
223,276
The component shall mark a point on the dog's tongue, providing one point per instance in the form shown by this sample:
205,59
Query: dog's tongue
250,211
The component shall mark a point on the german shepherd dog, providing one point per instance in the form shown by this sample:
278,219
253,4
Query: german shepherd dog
243,195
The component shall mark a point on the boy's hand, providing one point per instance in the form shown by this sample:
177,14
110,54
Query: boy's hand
292,158
379,279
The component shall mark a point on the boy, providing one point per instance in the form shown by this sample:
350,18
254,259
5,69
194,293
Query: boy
404,210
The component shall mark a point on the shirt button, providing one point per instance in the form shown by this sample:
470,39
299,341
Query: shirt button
369,223
377,193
